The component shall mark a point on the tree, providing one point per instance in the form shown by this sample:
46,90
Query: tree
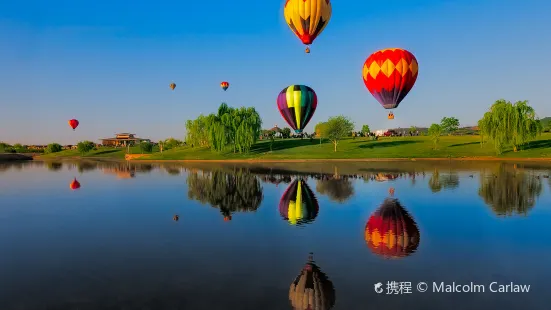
146,147
238,128
449,125
365,130
510,124
435,131
171,143
318,129
53,148
286,133
336,128
413,129
85,146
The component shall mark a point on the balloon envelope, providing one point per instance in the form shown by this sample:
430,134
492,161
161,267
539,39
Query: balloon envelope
73,123
297,104
298,205
389,75
74,184
307,18
172,86
312,289
224,85
391,232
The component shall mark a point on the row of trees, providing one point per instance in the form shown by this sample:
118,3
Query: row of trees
505,124
233,128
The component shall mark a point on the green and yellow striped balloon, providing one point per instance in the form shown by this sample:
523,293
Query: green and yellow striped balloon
297,104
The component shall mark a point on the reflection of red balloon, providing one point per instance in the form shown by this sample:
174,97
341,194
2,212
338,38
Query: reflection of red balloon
73,123
391,232
227,218
74,184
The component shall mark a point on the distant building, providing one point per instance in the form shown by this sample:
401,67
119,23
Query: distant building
123,139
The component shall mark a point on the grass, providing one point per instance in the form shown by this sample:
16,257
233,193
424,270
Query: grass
102,152
359,148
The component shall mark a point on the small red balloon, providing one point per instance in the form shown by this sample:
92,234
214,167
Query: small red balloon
74,184
73,123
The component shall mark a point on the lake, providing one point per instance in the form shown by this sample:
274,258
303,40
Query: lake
109,235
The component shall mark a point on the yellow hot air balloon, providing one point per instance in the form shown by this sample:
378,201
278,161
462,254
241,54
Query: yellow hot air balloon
307,18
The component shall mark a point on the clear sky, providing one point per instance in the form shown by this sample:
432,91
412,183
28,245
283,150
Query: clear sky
109,63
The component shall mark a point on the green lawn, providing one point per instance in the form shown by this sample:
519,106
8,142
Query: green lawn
403,147
102,152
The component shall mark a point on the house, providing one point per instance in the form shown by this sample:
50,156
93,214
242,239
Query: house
123,139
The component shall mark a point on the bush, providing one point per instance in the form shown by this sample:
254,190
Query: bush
146,147
85,146
171,143
53,148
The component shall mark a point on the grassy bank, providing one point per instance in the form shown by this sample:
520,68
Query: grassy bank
359,148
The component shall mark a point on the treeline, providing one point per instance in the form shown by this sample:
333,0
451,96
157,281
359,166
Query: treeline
229,129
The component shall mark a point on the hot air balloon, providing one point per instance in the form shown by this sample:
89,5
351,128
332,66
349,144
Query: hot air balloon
307,18
298,205
312,289
74,184
172,85
73,123
297,104
389,75
224,85
391,232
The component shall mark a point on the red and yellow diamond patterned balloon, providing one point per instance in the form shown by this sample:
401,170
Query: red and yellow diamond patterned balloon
389,75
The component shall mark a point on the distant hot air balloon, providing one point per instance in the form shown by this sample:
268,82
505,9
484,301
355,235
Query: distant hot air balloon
74,184
312,289
172,85
389,75
73,123
224,85
391,232
298,205
297,104
307,18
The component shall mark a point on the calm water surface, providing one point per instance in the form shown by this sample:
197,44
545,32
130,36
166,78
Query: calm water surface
100,235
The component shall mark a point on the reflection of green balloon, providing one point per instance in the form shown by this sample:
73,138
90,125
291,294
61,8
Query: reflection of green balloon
298,205
510,192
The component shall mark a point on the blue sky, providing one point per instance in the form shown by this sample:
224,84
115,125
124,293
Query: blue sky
109,63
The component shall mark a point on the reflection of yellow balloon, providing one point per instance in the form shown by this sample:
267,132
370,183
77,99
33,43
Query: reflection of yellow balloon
307,18
295,207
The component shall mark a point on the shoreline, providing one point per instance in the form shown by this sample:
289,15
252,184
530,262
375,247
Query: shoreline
317,160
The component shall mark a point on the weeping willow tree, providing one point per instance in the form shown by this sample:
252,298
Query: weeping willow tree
339,190
509,191
233,128
229,192
507,124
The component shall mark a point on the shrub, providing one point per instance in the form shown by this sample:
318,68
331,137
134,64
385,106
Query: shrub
53,148
146,147
85,146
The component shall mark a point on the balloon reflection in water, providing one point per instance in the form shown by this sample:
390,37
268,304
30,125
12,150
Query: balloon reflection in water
312,289
298,205
74,184
391,232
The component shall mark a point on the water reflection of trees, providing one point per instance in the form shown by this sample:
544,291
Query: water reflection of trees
312,289
509,191
439,181
54,166
337,189
230,192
